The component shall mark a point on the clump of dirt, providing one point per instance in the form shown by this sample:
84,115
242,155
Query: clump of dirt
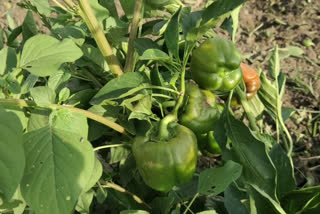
287,23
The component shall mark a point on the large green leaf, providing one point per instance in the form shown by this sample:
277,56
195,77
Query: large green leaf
42,6
43,95
42,55
12,157
59,163
118,86
219,179
219,8
29,26
234,200
171,35
252,155
284,167
263,203
302,199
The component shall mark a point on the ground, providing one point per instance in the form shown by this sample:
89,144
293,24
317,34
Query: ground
264,23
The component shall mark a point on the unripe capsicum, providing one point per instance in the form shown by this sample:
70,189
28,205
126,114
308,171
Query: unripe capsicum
168,159
215,65
201,115
201,111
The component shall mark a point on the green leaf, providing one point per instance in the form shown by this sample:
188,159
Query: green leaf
64,94
95,175
42,6
154,54
274,63
110,5
134,212
82,98
290,51
252,155
300,199
19,112
29,26
39,118
233,200
117,86
256,106
100,12
162,204
84,202
8,60
58,80
128,7
2,34
208,212
13,84
139,104
143,44
235,21
268,94
42,55
219,8
171,35
43,95
13,37
75,33
29,83
219,179
10,20
59,163
116,29
118,154
285,173
286,113
94,55
12,156
263,202
190,21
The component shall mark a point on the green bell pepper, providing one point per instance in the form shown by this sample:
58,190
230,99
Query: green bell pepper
215,65
167,160
201,111
209,143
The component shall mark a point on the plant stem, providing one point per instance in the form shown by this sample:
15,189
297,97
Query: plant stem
121,189
163,129
89,18
187,53
88,114
247,109
162,95
130,61
191,202
108,146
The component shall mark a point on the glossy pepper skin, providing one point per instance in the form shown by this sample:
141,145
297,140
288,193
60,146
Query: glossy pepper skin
201,111
215,65
209,143
251,80
166,163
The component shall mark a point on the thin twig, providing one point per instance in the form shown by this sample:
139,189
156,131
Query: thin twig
123,190
310,158
108,146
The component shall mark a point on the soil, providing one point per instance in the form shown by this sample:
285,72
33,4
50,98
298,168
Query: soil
262,25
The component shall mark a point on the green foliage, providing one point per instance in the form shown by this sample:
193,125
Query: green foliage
68,124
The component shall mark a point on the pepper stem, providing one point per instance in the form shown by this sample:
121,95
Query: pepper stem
163,129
